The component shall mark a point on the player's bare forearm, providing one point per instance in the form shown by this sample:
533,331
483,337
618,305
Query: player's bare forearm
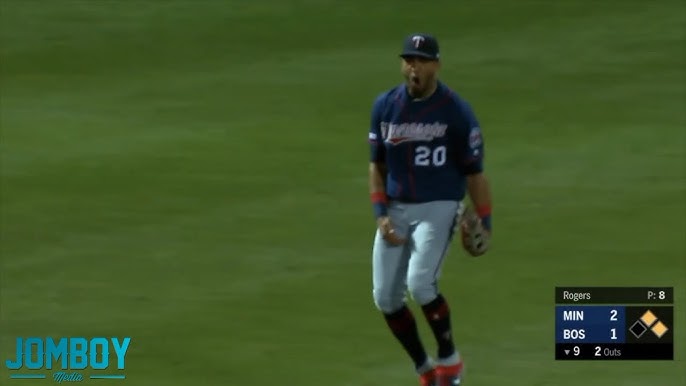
480,194
377,176
479,190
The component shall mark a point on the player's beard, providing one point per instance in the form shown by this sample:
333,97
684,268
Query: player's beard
419,86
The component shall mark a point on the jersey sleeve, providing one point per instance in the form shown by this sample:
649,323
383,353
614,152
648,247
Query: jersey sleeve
471,141
377,148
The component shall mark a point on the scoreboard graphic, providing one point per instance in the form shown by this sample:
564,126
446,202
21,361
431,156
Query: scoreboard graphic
614,323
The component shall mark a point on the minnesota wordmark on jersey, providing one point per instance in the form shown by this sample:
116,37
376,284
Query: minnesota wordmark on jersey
396,133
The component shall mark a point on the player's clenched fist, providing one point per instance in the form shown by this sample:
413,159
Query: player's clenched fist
387,231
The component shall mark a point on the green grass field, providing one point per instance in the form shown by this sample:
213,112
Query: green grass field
192,174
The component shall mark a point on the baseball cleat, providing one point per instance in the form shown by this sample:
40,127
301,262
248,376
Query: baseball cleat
428,378
449,375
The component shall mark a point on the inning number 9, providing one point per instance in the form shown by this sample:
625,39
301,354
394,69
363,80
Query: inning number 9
423,156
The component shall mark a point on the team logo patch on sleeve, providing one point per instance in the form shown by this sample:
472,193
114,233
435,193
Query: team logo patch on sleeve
475,137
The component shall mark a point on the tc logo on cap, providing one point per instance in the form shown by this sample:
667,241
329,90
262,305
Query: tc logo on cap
418,40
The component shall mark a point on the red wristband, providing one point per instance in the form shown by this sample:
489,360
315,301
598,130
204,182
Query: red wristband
379,198
483,211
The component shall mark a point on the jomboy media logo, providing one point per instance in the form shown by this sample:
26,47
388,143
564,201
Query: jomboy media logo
65,359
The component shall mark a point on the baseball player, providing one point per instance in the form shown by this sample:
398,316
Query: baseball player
426,156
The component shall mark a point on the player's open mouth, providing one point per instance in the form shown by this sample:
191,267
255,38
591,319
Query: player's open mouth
414,79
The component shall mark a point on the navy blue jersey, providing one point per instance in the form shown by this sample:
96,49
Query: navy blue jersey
429,146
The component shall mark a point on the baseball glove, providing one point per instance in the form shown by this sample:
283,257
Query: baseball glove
475,238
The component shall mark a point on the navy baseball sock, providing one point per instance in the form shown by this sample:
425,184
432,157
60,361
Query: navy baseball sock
437,314
404,328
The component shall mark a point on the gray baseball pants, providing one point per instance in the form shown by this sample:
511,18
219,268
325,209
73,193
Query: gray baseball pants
415,266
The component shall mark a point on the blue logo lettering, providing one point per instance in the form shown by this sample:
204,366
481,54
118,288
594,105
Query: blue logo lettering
66,354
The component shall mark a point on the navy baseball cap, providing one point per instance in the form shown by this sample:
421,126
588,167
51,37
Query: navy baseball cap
423,45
